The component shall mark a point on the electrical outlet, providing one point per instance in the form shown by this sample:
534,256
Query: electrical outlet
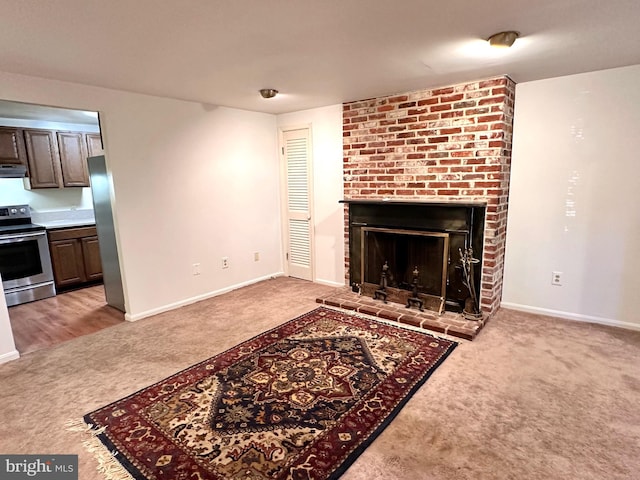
556,278
256,257
225,262
195,269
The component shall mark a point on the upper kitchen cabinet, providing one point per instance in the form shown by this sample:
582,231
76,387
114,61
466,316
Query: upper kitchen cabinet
43,158
53,144
56,159
12,149
73,159
94,144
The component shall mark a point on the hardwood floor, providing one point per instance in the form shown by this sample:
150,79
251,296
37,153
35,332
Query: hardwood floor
54,320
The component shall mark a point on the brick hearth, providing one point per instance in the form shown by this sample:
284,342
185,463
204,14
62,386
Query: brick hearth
449,323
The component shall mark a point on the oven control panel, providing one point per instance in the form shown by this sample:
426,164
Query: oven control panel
14,212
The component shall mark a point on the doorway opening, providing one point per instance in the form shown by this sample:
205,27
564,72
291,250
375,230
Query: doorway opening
53,144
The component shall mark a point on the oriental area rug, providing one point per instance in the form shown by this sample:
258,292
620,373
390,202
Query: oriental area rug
300,401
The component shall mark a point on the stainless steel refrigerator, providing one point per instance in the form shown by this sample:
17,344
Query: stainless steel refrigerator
101,192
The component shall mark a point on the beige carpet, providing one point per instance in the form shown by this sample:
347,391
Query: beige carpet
531,398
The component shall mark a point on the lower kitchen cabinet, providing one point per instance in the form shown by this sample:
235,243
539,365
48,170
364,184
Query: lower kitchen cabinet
75,256
91,257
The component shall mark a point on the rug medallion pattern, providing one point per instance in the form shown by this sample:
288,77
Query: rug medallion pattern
300,401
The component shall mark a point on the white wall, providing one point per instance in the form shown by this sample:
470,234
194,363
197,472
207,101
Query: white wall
7,346
575,198
193,183
12,192
326,130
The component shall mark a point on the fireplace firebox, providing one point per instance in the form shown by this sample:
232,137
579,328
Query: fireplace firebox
415,264
410,252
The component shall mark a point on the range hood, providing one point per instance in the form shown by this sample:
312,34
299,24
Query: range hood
12,171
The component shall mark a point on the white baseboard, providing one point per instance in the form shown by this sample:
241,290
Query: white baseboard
7,357
198,298
570,316
329,283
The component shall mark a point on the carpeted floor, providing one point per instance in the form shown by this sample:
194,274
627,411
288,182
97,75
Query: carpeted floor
531,397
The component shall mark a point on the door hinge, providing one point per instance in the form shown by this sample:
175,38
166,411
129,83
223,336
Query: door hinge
287,254
283,150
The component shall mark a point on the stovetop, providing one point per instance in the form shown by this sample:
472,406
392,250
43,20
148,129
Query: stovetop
17,219
24,228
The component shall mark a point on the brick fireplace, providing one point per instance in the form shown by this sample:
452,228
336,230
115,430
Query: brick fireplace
447,145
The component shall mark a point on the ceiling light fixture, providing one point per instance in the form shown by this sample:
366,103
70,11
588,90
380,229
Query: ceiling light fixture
268,92
503,39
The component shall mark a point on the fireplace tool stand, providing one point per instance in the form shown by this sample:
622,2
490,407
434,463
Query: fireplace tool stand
382,291
471,309
414,299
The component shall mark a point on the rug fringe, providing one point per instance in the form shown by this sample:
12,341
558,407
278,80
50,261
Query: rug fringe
108,466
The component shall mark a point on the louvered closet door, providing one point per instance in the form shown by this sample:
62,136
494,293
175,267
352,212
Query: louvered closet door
296,150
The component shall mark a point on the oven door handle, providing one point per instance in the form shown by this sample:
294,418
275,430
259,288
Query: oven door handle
19,237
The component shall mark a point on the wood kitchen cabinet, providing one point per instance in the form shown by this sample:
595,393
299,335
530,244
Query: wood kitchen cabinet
43,158
91,257
12,149
57,159
94,144
73,159
75,256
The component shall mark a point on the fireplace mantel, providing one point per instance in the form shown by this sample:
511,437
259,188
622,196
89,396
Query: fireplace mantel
380,201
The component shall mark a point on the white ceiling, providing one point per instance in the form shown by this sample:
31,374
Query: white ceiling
316,52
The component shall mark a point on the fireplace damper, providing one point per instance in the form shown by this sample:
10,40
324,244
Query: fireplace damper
427,225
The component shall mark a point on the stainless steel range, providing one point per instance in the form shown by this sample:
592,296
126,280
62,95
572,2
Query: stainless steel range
25,263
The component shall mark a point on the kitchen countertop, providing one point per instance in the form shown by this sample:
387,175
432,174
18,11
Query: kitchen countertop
64,218
51,224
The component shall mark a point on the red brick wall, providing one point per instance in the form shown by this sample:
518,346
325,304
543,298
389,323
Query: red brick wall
445,144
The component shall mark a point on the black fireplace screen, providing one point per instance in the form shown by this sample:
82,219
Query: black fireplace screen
410,259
